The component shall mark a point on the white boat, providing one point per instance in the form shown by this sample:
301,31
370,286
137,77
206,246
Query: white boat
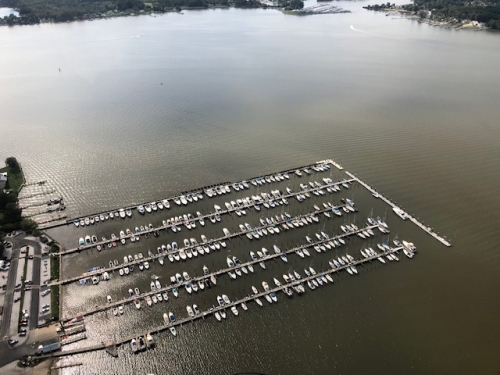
217,316
133,345
226,299
154,298
265,285
173,331
234,310
137,304
258,301
190,311
398,211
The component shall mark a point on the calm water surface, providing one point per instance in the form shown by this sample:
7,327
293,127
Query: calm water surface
146,107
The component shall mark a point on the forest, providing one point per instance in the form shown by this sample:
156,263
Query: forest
487,12
37,11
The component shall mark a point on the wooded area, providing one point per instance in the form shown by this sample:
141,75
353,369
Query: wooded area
487,13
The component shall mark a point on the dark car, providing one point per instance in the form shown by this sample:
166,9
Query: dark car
13,342
22,329
17,299
18,285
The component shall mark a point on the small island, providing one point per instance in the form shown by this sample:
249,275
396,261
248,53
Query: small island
53,11
459,14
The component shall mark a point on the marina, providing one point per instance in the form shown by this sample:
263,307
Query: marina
329,238
313,276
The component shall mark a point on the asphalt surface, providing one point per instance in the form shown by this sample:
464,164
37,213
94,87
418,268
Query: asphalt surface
7,353
9,294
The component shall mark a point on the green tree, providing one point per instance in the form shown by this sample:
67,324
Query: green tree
296,4
13,164
29,226
12,213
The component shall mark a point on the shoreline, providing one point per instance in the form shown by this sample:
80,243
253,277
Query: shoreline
447,23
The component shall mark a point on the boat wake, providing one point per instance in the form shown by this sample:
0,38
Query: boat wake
360,31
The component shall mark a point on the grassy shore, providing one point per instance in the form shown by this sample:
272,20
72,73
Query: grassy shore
15,180
54,275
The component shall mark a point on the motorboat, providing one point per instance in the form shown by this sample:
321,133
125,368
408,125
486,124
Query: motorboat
173,331
137,304
175,292
234,310
265,285
258,301
217,316
190,311
220,301
133,345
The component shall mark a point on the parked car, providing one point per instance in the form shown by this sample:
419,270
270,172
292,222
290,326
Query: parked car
22,334
12,342
17,299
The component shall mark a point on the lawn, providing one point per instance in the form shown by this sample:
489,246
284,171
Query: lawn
15,180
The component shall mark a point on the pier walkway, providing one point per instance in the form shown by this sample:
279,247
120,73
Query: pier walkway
100,271
273,256
425,228
214,309
197,190
197,219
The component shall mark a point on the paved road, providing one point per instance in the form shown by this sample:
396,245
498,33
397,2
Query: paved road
21,241
8,354
9,294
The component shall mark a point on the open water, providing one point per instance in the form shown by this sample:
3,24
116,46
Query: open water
145,107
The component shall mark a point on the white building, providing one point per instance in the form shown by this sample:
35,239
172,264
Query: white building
3,180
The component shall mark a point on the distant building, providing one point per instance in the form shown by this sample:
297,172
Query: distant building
3,180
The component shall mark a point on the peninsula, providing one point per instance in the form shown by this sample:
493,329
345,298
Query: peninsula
459,14
35,12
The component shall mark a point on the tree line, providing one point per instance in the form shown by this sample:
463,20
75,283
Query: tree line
485,12
35,11
10,213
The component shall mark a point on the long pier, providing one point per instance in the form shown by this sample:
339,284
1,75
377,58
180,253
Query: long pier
215,309
197,219
425,228
217,273
200,190
100,271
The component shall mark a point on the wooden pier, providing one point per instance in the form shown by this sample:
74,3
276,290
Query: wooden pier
425,228
217,273
214,309
100,271
201,190
220,212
